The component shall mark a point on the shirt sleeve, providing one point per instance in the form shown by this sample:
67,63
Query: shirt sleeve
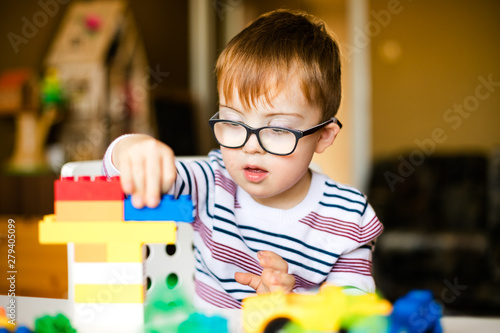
108,168
353,269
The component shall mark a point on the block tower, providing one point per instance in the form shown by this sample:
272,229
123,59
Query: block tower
105,234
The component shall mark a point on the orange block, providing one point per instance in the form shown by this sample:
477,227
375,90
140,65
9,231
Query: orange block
70,211
90,252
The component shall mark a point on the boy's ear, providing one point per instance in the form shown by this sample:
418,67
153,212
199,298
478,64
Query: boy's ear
326,138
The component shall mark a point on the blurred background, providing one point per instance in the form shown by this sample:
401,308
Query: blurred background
420,108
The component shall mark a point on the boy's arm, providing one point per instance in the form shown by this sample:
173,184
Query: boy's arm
146,167
108,168
353,269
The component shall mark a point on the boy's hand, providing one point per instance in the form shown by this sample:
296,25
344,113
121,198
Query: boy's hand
274,276
147,168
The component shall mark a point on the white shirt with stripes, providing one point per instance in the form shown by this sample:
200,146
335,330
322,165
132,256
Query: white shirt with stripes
328,237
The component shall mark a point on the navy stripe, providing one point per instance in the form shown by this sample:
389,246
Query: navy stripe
340,207
207,187
183,183
286,259
364,208
344,189
209,271
277,235
343,198
257,240
240,291
188,177
218,159
225,209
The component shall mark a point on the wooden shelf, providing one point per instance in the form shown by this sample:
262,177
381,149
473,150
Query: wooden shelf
42,270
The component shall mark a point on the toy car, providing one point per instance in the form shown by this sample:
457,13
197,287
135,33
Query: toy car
326,311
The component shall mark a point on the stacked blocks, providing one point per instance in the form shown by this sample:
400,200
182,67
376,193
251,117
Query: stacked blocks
105,253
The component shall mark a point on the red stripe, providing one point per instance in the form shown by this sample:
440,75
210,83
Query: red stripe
238,258
215,297
225,183
204,232
350,271
300,282
353,265
350,230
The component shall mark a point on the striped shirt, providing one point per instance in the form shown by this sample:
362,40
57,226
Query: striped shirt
329,237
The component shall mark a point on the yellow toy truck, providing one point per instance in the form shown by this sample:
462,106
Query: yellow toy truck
326,311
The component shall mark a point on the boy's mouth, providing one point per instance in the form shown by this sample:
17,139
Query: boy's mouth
254,174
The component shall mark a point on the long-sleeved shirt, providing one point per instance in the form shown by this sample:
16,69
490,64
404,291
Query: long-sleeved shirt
328,237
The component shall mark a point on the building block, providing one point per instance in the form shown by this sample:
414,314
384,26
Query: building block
109,293
105,210
83,188
52,232
90,253
169,209
109,317
417,311
108,273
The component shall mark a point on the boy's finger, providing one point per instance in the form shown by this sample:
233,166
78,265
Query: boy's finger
168,173
126,177
248,279
138,194
276,280
269,259
152,180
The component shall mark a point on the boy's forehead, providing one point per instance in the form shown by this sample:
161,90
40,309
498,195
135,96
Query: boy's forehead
286,99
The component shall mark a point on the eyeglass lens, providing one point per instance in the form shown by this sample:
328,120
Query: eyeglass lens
274,140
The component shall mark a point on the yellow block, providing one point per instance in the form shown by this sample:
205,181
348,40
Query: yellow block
52,232
124,252
88,210
109,293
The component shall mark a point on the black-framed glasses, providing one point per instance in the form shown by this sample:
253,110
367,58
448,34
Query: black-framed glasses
274,140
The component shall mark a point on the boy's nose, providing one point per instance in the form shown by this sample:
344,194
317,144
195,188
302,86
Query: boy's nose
252,146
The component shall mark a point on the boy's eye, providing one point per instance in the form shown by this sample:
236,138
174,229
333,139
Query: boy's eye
280,131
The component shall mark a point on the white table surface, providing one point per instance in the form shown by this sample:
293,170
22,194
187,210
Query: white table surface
29,308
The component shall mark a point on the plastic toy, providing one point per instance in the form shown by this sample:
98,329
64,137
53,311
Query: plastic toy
169,311
179,210
106,272
85,189
4,321
328,310
53,324
416,312
7,327
200,323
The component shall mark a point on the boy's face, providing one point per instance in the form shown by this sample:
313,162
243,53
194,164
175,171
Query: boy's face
272,180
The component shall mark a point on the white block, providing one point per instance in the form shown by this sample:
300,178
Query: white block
108,318
108,273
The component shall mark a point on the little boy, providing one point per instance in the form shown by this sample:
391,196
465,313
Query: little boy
264,220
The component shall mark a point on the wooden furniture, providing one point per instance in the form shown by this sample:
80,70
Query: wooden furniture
41,269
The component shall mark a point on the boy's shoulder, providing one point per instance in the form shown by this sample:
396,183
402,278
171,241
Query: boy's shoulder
334,187
342,197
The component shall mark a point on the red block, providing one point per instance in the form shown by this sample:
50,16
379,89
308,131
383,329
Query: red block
83,188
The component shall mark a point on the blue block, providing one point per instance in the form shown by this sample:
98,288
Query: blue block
169,209
416,312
